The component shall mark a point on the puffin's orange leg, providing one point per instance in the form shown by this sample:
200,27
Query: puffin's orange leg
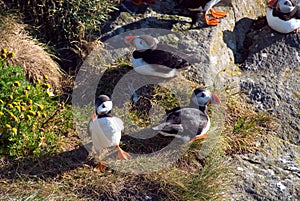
217,14
211,21
122,155
101,167
296,30
198,137
94,116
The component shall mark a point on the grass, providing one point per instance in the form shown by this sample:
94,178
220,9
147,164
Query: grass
68,175
68,27
244,126
29,53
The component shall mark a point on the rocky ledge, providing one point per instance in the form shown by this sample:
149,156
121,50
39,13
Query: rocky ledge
269,72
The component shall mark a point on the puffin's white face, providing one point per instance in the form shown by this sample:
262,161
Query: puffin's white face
104,108
202,97
140,44
285,6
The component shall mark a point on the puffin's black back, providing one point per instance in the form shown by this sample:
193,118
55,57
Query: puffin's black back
163,55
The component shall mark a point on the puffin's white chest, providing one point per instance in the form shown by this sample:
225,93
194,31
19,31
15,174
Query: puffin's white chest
142,67
206,128
106,132
210,4
280,25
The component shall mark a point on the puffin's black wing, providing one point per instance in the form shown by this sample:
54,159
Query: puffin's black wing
187,120
297,14
162,57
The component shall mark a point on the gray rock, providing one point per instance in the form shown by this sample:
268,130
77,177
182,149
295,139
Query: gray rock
270,64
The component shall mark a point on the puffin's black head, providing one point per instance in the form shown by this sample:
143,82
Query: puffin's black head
201,97
103,105
286,6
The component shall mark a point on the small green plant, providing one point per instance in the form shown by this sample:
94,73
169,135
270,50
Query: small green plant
26,110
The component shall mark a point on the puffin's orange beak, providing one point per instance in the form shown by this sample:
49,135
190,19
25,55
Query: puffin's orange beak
214,99
271,3
128,39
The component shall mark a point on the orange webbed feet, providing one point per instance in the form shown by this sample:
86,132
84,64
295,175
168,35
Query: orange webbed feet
217,14
101,167
122,155
211,21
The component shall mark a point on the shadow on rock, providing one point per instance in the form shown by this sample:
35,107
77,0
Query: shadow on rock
250,37
110,79
149,22
131,17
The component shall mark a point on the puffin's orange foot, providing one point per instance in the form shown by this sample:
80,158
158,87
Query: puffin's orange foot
101,167
122,155
198,137
296,31
211,21
217,14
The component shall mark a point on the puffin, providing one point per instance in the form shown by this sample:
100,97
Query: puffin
283,15
192,122
194,7
106,130
157,60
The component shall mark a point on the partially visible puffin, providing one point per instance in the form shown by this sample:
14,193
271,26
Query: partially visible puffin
283,15
189,123
106,130
150,58
194,7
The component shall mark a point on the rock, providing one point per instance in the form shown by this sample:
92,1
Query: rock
270,64
271,81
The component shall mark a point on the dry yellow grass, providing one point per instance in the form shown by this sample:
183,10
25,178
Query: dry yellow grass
244,126
29,53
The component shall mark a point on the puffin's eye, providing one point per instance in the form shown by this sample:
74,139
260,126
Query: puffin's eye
202,95
286,3
103,106
141,42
